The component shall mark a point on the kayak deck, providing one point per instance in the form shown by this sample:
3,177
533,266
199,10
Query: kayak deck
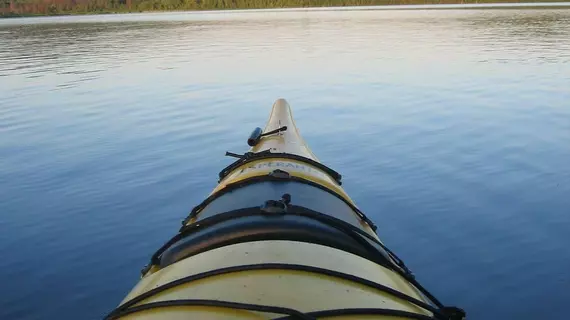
278,238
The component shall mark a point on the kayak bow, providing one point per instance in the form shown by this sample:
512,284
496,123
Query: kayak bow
278,238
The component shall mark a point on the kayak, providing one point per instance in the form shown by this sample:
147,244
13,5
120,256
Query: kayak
278,238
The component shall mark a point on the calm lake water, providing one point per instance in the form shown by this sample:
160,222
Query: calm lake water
451,129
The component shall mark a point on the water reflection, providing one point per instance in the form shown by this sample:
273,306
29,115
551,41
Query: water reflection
522,35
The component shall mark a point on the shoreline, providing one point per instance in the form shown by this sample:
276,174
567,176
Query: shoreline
317,5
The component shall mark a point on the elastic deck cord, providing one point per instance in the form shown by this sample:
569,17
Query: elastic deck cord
129,306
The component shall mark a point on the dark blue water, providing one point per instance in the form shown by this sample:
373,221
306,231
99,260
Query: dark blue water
451,129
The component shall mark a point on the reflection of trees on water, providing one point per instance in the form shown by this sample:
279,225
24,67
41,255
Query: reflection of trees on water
84,36
521,24
41,46
508,35
71,45
541,33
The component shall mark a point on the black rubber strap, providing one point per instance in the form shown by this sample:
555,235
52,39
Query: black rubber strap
187,229
293,314
362,312
250,156
278,266
353,231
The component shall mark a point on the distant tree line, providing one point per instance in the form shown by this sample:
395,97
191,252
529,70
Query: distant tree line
54,7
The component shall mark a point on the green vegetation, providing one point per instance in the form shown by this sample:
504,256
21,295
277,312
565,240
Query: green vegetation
55,7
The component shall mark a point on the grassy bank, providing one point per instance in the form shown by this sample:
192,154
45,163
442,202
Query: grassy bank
18,8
